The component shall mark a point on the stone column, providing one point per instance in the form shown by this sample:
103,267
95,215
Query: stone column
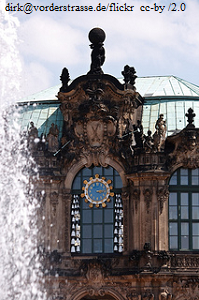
162,199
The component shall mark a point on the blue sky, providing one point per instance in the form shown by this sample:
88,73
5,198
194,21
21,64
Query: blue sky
38,45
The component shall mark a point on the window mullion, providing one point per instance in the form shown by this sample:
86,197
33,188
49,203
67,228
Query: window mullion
179,219
92,231
185,185
190,221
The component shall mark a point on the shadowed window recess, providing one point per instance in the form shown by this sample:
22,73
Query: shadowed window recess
184,210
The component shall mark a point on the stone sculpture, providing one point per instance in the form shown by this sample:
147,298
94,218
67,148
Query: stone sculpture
32,136
97,37
52,138
160,133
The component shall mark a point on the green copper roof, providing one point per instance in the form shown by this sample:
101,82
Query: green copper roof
168,95
165,86
155,86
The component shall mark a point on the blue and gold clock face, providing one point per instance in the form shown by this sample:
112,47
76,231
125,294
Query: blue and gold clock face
97,191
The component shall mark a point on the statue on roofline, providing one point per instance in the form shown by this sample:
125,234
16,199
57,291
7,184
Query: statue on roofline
97,37
32,136
52,138
160,133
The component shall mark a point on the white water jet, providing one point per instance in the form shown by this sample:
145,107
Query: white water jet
21,276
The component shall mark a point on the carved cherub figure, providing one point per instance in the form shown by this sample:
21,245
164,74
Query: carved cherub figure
129,75
148,142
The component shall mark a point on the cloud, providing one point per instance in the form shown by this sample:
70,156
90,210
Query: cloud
155,43
50,40
36,78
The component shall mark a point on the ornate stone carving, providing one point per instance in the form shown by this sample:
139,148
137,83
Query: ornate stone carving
185,289
129,75
185,151
138,134
148,296
165,295
148,143
148,198
136,198
52,138
94,90
54,202
163,257
95,132
133,295
96,292
162,196
97,37
148,255
160,133
32,137
98,120
181,261
96,271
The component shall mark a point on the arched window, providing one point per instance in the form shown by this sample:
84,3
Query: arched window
97,220
184,210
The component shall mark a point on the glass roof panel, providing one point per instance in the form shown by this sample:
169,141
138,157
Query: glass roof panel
180,115
42,116
174,114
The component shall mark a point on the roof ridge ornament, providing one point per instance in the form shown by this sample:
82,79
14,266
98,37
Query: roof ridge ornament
190,117
97,37
129,75
65,78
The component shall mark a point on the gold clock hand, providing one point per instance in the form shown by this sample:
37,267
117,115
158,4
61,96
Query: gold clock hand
100,191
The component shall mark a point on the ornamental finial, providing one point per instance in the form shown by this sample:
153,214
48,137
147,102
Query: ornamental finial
129,75
190,117
65,78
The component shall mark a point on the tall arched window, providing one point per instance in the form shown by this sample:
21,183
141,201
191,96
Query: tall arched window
184,210
97,219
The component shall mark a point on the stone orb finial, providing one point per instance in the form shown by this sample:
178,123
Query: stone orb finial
97,35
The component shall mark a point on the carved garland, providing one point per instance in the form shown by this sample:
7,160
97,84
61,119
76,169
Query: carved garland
147,198
162,195
136,198
54,202
186,289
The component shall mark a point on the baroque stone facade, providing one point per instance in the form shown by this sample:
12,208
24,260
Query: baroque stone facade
103,127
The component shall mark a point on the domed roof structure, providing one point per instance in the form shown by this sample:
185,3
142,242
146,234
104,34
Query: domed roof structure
168,95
